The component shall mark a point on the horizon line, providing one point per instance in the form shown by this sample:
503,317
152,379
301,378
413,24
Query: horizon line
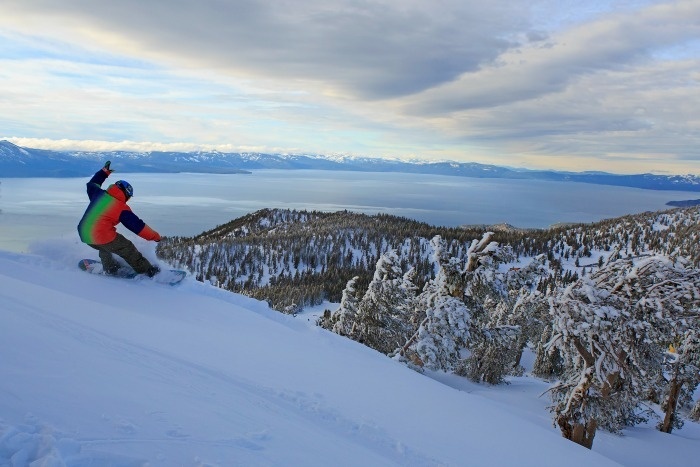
101,146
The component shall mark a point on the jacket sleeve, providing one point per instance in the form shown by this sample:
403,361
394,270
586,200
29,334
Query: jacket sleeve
94,186
132,222
149,234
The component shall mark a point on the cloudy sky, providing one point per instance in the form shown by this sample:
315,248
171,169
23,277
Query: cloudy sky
609,85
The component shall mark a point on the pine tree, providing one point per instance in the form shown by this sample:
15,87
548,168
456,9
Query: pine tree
508,323
492,351
447,330
695,412
524,306
383,314
548,363
343,320
682,365
609,327
501,309
443,332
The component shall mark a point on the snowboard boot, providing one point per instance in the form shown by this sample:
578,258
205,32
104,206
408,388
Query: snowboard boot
109,265
152,271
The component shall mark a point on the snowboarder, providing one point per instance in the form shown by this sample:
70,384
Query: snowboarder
98,227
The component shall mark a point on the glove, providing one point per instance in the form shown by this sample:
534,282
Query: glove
149,234
106,168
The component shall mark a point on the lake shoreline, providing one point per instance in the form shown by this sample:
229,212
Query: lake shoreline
187,204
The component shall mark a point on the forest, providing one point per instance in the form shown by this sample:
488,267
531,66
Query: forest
293,259
610,309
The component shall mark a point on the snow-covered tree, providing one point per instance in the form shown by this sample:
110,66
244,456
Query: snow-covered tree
447,329
492,352
444,329
524,306
529,276
347,311
342,320
383,315
548,362
610,328
695,412
508,312
508,323
682,369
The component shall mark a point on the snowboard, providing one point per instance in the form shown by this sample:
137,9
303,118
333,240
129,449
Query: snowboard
167,276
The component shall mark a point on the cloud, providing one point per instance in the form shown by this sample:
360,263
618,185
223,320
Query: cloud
135,146
534,70
503,81
609,119
372,49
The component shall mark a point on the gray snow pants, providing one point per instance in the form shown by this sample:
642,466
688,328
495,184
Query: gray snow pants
121,246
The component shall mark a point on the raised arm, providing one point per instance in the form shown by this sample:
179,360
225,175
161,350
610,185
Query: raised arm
94,186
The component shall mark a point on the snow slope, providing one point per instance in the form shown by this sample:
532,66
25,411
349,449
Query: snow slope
102,371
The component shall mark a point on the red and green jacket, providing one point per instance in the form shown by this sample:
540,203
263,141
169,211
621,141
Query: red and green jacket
107,209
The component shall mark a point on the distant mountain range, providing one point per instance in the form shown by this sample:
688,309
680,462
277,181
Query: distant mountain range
16,161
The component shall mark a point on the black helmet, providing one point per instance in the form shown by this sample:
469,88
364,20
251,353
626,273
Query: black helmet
126,188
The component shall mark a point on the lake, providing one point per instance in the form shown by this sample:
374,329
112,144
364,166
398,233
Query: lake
34,209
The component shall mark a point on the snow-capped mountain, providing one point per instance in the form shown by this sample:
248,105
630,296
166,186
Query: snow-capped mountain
16,161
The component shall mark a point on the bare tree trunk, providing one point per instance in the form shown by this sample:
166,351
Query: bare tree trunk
473,261
584,434
413,338
581,433
571,429
518,358
577,432
671,403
